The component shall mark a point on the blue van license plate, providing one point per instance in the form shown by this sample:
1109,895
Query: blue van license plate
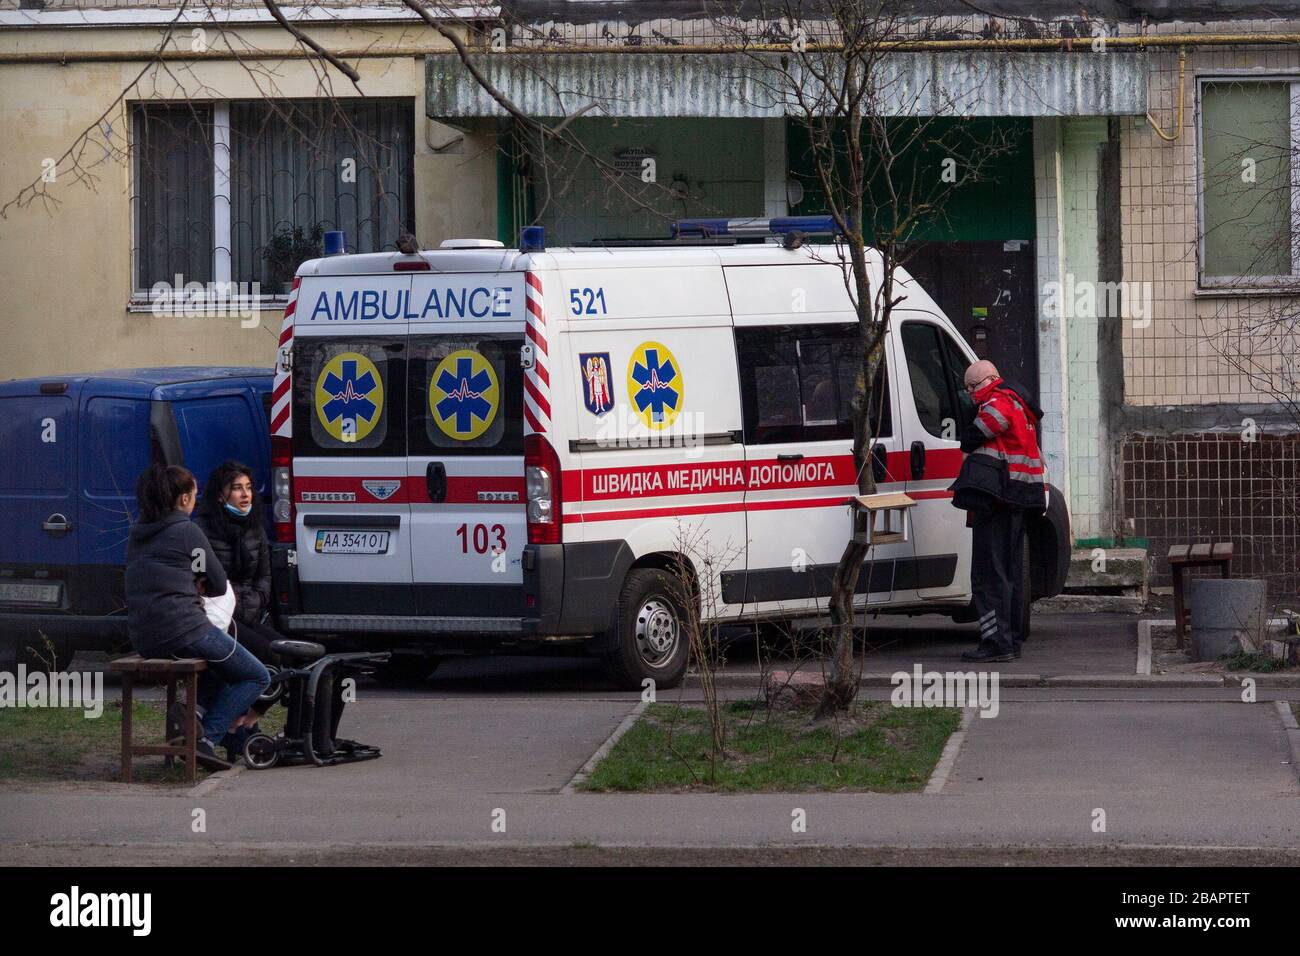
23,592
352,542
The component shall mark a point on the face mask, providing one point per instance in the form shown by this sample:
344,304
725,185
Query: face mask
237,512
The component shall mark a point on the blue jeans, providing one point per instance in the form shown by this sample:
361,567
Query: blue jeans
232,682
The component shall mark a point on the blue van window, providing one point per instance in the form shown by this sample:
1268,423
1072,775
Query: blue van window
36,433
213,430
115,445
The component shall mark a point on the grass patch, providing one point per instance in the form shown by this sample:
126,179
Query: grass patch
875,747
59,744
1259,663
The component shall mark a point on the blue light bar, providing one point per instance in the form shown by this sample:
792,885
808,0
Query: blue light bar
779,226
532,239
336,243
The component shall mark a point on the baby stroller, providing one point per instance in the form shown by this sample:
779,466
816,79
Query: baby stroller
311,682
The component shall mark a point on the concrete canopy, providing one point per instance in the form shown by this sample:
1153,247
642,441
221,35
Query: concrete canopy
736,86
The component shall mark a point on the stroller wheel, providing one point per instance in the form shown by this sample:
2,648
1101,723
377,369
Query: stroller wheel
275,690
260,752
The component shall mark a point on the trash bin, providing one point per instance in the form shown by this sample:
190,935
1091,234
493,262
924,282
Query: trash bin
1227,616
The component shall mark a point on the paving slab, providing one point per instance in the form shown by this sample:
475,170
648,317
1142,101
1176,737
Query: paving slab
1226,751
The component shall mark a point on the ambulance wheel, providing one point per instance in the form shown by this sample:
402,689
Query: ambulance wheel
1025,612
650,636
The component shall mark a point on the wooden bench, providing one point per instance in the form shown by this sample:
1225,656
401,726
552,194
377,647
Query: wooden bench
154,670
1183,556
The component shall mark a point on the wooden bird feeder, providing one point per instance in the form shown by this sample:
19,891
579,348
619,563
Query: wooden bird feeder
886,518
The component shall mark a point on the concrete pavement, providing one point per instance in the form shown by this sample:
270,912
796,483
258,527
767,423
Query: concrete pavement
476,761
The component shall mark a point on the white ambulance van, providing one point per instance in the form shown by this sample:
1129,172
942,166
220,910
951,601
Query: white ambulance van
488,449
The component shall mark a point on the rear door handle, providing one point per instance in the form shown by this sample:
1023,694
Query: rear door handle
918,460
57,524
435,480
796,457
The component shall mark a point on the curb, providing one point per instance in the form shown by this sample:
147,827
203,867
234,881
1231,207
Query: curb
751,680
624,726
215,780
948,758
1292,728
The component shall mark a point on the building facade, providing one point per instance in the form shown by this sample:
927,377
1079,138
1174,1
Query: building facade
1132,255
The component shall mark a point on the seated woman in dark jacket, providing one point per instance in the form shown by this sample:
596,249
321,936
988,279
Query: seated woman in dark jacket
228,518
167,556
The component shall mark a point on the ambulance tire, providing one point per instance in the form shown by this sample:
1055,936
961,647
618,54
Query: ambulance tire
1025,611
649,639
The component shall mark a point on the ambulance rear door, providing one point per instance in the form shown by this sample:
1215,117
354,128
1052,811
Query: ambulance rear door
465,472
349,445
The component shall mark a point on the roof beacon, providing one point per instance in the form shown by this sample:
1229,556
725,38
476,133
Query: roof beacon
336,242
753,228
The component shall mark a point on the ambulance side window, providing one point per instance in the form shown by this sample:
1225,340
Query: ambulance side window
932,368
466,394
797,384
346,391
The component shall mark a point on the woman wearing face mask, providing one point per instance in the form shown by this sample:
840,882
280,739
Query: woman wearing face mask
228,517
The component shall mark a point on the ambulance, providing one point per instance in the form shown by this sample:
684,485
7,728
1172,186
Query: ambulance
484,449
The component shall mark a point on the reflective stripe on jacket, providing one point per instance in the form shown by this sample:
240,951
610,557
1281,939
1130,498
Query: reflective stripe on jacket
1004,463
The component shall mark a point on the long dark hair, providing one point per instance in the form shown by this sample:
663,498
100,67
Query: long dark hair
157,489
222,475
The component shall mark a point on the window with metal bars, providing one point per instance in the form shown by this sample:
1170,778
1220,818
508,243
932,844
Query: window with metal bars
242,191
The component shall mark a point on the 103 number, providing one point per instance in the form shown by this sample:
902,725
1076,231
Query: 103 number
482,537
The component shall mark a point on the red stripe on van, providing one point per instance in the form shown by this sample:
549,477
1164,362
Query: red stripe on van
536,336
544,375
348,485
281,418
533,423
633,513
536,394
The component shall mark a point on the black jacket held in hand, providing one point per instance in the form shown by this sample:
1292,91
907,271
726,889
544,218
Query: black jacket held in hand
244,551
163,608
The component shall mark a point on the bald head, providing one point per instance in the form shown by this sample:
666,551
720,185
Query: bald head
980,373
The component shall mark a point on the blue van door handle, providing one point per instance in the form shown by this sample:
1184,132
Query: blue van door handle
57,524
918,460
435,479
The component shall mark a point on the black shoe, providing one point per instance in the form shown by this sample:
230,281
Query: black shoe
986,654
207,756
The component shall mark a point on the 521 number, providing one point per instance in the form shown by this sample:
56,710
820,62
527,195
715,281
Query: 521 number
587,301
482,538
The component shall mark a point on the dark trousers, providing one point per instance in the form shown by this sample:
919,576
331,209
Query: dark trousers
996,572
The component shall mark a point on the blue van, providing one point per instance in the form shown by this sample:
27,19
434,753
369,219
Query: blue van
73,447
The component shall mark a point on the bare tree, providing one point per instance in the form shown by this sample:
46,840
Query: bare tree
868,142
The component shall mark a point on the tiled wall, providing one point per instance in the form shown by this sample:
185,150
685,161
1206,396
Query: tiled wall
1210,487
1173,358
1079,161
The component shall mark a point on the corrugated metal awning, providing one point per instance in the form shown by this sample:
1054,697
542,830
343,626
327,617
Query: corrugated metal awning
979,83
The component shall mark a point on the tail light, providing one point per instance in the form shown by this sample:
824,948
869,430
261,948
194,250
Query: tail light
282,487
542,485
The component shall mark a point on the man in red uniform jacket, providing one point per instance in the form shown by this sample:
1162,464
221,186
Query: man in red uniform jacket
1002,479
